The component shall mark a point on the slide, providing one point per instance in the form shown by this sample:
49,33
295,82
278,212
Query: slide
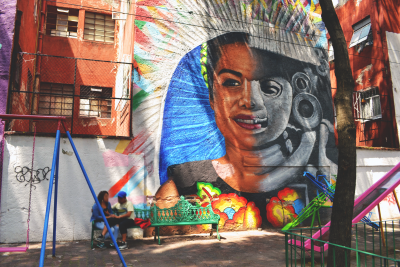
363,204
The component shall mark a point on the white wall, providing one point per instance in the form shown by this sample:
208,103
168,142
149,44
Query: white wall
104,167
371,166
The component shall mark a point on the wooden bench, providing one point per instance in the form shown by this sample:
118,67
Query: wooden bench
183,213
139,213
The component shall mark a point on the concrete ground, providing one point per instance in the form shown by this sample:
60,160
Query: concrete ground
247,248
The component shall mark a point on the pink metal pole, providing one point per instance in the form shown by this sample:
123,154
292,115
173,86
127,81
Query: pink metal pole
35,117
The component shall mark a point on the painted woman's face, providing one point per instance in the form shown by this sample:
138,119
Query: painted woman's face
252,102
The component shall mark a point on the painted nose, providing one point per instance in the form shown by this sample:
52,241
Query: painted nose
252,98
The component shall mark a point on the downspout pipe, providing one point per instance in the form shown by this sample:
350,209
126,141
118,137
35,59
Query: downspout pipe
41,33
38,50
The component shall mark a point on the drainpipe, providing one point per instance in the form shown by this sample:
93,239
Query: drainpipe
41,29
38,49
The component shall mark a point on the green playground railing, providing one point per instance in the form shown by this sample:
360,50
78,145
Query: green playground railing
369,247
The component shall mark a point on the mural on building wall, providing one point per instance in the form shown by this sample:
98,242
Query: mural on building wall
236,95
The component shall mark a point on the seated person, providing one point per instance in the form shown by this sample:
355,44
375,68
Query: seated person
126,216
98,219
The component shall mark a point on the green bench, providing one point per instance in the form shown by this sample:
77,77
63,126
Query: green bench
183,213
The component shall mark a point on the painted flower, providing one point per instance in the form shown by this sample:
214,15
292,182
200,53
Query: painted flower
252,217
284,208
236,212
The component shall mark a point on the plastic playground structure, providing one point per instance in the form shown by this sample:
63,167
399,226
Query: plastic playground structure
312,209
54,181
362,206
328,192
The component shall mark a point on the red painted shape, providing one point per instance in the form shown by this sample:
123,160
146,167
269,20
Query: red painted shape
122,182
136,143
208,194
142,38
152,3
143,14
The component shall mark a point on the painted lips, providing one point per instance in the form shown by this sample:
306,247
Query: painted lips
251,122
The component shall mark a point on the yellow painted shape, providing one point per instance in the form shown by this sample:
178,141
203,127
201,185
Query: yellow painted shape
161,26
122,145
263,3
229,203
146,192
312,6
291,197
145,68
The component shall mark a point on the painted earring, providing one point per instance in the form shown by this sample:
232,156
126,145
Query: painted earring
307,110
301,83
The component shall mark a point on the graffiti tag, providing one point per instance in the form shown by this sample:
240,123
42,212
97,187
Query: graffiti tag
25,175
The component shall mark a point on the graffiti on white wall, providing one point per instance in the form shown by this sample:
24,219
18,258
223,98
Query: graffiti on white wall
27,176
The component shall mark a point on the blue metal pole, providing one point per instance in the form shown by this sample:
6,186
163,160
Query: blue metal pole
46,219
95,199
55,201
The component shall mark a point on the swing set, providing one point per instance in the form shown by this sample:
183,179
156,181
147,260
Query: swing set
53,181
19,249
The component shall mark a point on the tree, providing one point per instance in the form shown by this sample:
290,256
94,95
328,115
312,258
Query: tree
342,210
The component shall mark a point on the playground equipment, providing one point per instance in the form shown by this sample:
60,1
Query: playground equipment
20,249
325,188
54,181
311,209
328,192
362,206
366,248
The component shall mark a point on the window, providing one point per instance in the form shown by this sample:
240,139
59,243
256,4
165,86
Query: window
331,55
95,102
99,27
362,33
367,104
56,99
62,21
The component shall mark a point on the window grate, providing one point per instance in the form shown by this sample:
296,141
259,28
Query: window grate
94,102
367,104
56,99
99,27
62,22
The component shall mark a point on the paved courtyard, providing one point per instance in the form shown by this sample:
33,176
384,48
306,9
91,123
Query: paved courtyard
247,248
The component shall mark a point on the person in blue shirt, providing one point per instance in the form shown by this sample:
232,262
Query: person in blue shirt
98,219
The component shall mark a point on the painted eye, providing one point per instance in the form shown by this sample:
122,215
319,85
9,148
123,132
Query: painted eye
231,82
271,88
